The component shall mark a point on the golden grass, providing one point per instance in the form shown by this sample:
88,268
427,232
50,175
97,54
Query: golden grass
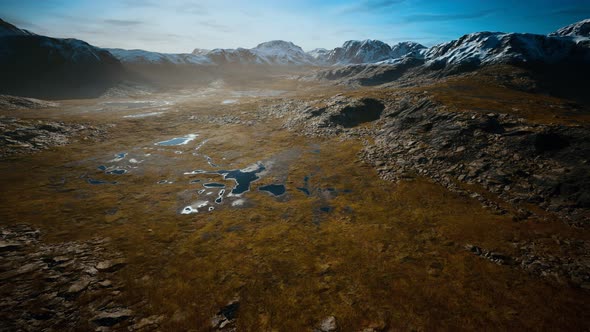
387,255
474,93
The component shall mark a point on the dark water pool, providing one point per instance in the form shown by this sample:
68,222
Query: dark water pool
274,189
305,188
95,181
243,178
117,171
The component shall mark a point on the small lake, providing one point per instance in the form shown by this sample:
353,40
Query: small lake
274,189
178,140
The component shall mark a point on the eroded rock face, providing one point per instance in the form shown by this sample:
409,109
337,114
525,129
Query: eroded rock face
364,110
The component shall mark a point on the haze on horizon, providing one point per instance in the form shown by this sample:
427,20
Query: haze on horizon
179,26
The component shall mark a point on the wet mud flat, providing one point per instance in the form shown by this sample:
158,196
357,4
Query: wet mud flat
304,234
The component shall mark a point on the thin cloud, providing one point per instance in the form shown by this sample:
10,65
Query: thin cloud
215,26
371,6
123,23
447,17
140,3
572,11
23,24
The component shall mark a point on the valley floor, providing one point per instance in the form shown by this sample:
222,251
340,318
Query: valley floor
85,248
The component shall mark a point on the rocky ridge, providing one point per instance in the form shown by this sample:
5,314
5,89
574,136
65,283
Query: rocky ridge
19,136
522,163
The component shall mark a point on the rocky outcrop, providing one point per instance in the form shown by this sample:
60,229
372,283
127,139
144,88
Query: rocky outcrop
225,319
17,103
522,163
371,74
26,136
568,265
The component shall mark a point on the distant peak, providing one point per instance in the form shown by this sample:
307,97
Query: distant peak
277,44
200,51
7,29
581,28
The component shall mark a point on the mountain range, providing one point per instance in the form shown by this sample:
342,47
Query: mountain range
40,66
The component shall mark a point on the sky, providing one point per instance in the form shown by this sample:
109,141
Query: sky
179,26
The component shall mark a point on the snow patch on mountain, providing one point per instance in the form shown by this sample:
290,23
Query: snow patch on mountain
280,52
356,52
404,48
145,57
495,47
581,29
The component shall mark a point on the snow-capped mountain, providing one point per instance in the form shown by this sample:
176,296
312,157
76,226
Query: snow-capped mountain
39,66
404,48
276,52
19,45
318,52
280,52
200,51
484,48
235,56
365,51
581,29
356,51
145,57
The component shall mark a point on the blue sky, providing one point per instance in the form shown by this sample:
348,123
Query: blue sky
182,25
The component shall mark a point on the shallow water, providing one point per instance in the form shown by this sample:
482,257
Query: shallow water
95,181
117,171
178,140
142,115
213,185
305,189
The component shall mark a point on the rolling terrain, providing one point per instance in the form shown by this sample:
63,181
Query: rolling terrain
372,187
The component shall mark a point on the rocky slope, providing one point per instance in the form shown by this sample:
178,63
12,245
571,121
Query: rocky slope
523,163
64,286
19,136
17,103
